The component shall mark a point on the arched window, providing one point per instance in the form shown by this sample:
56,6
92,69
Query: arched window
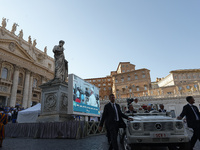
34,83
4,73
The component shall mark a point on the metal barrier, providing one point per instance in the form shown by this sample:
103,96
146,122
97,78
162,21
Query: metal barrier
90,128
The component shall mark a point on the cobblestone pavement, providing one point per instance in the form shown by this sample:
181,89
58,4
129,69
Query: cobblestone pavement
90,143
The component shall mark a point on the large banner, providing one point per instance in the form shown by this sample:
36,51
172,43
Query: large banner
85,96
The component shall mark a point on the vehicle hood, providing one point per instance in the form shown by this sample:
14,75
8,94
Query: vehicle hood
151,118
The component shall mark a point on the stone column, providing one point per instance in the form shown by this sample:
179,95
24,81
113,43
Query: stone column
14,87
26,89
6,103
1,61
30,90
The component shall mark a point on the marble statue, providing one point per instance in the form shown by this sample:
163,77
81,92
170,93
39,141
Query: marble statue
61,65
14,28
45,49
21,34
34,43
3,23
29,40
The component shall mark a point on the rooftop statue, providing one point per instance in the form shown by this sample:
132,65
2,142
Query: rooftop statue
14,28
3,24
29,40
21,34
45,50
34,43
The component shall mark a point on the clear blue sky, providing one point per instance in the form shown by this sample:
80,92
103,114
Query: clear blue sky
160,35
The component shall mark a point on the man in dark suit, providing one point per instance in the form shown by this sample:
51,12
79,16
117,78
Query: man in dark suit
112,116
162,108
193,119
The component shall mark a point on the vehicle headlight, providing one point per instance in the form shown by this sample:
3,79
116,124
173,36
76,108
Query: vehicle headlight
179,125
136,126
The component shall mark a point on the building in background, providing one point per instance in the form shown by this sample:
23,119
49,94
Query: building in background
23,68
178,82
104,84
125,82
128,82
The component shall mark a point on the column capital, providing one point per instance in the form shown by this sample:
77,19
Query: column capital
27,71
32,74
43,77
16,67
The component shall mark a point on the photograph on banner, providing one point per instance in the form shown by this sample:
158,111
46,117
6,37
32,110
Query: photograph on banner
85,96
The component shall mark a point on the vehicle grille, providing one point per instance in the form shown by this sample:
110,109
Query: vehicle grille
151,126
160,140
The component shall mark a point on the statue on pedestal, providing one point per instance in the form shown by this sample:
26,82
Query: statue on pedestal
54,101
61,64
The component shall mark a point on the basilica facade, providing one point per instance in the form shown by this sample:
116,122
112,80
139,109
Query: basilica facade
23,68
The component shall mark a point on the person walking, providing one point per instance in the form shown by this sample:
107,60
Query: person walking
112,116
193,119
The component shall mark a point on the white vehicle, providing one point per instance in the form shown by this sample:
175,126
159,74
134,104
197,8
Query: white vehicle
154,129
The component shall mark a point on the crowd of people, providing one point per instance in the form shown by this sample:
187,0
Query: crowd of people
7,114
12,112
135,107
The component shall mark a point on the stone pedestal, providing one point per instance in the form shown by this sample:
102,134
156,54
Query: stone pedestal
54,103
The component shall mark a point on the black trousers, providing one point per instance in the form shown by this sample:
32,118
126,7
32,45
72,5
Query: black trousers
113,130
108,134
196,134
